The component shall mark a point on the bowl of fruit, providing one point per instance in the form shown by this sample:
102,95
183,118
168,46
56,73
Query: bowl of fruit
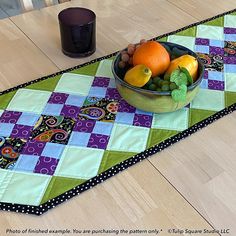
157,76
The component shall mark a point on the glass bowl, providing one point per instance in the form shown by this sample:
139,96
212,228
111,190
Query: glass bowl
154,101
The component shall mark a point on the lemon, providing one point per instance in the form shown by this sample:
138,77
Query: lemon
138,76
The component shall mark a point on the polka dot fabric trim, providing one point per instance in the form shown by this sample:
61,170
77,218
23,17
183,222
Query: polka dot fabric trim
39,210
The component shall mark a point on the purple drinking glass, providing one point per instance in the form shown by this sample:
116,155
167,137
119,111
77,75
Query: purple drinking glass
78,31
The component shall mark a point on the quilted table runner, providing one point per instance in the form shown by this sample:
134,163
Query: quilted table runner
65,133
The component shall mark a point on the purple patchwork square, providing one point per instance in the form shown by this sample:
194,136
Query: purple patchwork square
10,117
46,165
100,82
21,131
228,30
142,120
217,51
201,41
58,98
85,126
125,107
112,93
216,85
70,111
205,74
33,147
230,60
98,141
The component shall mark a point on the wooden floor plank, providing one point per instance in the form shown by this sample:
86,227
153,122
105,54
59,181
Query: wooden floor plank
138,198
113,32
144,198
204,9
202,168
20,59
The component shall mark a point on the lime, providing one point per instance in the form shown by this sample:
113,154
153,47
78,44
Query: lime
165,87
152,87
173,86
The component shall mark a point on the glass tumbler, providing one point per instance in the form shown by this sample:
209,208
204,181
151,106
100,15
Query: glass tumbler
78,31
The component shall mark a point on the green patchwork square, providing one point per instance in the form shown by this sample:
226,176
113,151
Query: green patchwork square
230,21
186,41
230,98
1,111
156,136
87,70
112,158
104,69
177,120
210,32
74,84
188,32
26,188
128,138
78,162
216,22
59,185
5,99
28,100
47,84
197,115
230,82
212,100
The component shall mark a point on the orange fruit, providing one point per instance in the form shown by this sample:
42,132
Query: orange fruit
153,55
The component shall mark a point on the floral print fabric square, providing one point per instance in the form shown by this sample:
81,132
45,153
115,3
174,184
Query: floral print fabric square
10,151
102,110
55,129
212,62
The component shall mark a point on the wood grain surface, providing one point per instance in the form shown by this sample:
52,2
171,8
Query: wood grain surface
190,185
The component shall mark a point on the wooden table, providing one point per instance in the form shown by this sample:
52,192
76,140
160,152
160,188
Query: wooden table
190,185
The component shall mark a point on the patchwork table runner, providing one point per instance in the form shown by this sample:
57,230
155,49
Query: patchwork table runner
63,134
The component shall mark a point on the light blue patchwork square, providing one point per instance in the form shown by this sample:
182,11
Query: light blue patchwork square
74,84
103,128
79,139
216,43
112,83
6,129
75,100
53,150
206,99
230,82
204,84
210,32
104,69
228,68
186,41
128,138
202,49
29,100
26,163
177,120
53,109
230,37
97,92
215,75
124,118
28,119
230,21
